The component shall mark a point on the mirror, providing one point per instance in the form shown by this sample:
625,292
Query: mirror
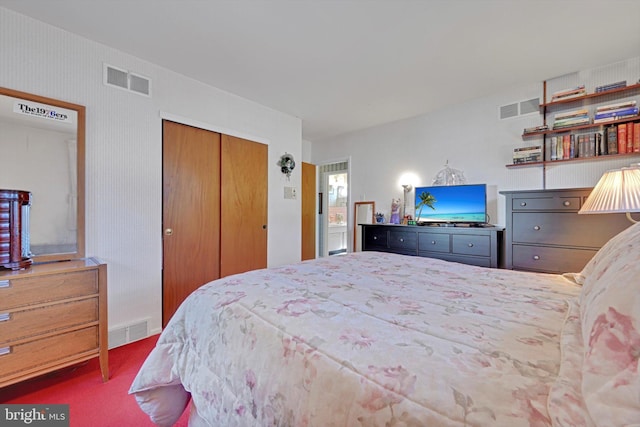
42,142
363,214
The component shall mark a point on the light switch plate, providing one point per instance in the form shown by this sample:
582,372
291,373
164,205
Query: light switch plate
290,193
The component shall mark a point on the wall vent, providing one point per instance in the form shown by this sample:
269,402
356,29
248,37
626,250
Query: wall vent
530,106
129,333
508,111
520,108
123,79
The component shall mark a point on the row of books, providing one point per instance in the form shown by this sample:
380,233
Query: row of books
580,90
576,146
527,154
623,138
616,139
602,114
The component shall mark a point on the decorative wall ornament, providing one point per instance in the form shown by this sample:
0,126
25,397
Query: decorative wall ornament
287,164
449,176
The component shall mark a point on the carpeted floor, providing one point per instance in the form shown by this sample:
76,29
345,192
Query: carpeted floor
92,403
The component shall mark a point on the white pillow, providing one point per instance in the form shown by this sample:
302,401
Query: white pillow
165,404
610,315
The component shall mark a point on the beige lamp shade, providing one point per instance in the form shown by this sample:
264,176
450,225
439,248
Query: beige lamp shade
617,191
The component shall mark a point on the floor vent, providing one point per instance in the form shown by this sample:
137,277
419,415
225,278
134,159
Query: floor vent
130,333
520,108
123,79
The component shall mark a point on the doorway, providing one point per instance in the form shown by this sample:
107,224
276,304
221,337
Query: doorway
333,220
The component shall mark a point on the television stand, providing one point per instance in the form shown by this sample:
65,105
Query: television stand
469,245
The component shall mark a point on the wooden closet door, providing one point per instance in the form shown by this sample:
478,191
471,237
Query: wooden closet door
190,212
244,206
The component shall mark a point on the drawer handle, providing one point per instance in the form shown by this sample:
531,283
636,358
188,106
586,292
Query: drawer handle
566,203
470,245
401,239
4,283
5,350
4,317
536,257
536,227
375,237
523,204
433,242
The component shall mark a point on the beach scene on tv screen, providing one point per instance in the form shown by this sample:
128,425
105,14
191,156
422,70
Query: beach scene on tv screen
465,203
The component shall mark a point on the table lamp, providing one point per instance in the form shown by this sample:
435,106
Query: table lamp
617,191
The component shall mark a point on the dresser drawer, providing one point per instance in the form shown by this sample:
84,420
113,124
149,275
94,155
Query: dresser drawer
39,321
564,229
567,203
34,290
434,242
550,260
471,245
375,238
404,241
47,351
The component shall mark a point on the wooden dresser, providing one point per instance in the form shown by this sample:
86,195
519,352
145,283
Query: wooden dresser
52,315
469,245
545,233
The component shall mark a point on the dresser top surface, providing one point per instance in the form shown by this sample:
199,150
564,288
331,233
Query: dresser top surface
50,268
547,191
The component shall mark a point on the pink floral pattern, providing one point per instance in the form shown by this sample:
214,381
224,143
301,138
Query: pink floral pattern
367,339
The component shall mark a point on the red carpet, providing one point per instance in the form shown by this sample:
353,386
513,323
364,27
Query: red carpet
92,403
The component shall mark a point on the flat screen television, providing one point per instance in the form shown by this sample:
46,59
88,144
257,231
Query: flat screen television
452,204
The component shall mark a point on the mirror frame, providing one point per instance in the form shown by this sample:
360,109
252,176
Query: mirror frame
355,220
80,137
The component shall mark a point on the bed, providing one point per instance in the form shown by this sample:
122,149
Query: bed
379,339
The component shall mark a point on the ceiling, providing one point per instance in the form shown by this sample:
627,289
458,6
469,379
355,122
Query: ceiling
346,65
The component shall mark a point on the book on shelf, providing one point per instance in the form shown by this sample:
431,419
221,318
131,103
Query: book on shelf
571,122
636,137
622,138
569,114
541,128
566,147
617,106
612,140
615,114
571,118
611,86
527,154
629,137
568,93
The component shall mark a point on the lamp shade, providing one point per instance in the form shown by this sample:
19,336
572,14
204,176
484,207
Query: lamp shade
617,191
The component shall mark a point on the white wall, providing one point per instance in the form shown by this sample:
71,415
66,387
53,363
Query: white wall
472,138
124,148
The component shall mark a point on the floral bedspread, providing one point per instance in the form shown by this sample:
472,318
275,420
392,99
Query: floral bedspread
363,339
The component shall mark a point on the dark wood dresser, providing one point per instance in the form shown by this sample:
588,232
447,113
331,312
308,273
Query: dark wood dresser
545,233
469,245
